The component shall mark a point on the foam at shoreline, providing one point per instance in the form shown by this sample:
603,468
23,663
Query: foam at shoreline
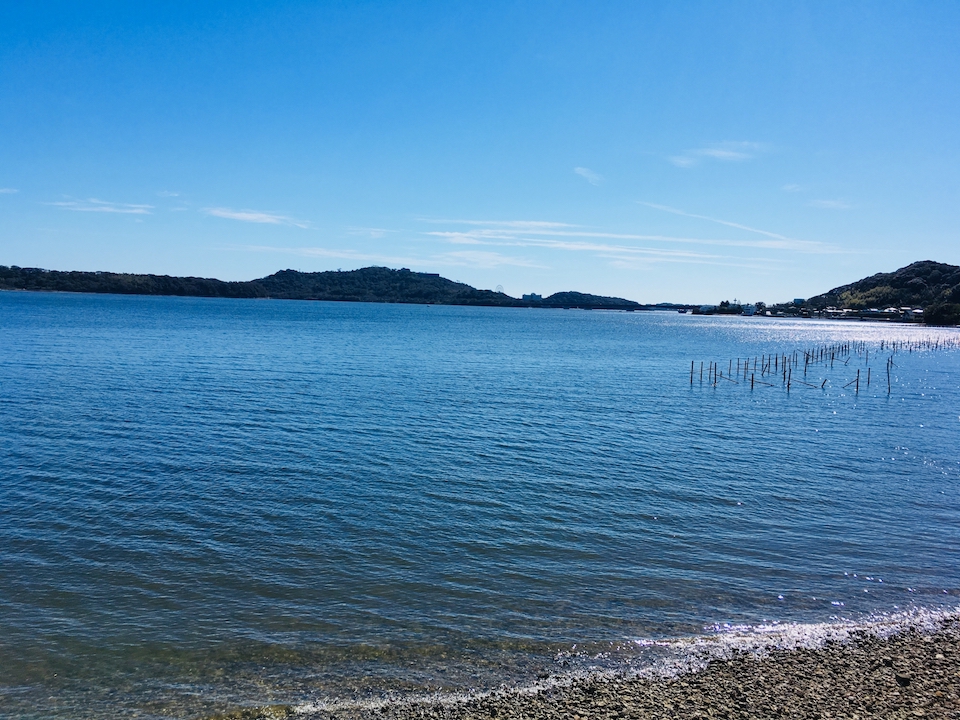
669,659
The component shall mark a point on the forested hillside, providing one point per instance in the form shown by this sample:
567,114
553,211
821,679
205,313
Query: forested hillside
933,286
372,284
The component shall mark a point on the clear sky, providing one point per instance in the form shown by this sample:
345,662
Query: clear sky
672,151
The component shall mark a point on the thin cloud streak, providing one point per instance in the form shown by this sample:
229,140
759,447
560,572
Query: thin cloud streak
374,233
675,211
515,224
784,242
103,206
634,262
331,253
582,246
469,237
478,258
724,152
8,191
255,216
461,258
509,241
589,175
618,248
831,204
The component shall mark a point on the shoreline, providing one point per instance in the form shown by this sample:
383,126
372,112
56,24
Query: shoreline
880,670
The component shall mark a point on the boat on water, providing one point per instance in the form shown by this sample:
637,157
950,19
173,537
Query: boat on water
682,311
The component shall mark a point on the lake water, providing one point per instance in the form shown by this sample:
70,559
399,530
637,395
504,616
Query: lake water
213,503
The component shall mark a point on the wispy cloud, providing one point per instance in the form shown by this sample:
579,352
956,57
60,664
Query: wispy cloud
724,152
791,188
779,241
8,191
341,254
103,206
574,245
168,193
458,258
675,211
618,249
373,233
831,204
496,237
589,175
486,244
482,259
255,216
519,225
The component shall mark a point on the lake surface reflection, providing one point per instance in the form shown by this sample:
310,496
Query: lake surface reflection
206,503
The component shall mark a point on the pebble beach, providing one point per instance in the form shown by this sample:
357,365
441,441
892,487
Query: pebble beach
915,673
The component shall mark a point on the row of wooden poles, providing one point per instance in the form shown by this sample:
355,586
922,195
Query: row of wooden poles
782,365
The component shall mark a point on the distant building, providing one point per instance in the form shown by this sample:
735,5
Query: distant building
532,297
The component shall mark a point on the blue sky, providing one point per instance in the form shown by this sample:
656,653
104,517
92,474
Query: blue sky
674,151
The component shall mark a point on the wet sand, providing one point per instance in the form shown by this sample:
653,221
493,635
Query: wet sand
912,674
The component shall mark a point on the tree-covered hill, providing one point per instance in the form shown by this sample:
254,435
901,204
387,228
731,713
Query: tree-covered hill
933,286
372,284
16,278
586,301
920,284
379,284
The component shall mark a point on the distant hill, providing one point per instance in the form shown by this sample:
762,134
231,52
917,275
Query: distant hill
379,284
16,278
920,284
372,284
933,286
572,299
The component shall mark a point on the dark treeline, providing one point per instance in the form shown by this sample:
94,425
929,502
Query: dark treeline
372,284
15,278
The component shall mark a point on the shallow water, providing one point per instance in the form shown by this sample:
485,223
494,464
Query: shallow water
207,503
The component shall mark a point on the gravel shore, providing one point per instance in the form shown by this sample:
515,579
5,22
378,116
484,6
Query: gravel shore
908,675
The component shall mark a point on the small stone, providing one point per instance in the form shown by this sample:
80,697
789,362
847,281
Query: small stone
887,660
903,678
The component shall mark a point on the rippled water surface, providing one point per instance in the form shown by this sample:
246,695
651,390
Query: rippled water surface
210,503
